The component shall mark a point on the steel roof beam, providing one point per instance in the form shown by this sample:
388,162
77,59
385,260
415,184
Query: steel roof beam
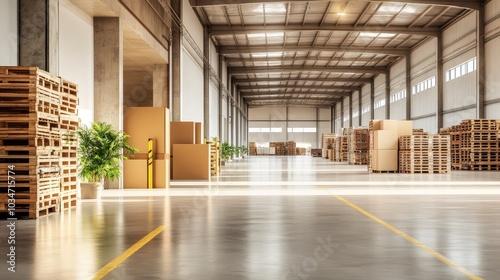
219,30
264,49
254,88
327,80
288,69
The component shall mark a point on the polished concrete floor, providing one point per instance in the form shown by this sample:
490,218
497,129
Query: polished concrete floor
273,218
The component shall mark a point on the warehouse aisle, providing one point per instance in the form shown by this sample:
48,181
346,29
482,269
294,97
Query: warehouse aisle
289,222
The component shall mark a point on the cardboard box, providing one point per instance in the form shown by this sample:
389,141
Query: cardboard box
135,174
191,162
389,125
385,140
198,133
142,123
385,160
405,128
182,133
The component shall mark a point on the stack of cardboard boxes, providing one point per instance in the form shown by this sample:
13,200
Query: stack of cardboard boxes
384,135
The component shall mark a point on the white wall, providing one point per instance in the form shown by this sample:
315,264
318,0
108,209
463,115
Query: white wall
214,112
76,55
492,61
8,32
365,118
397,84
379,95
194,27
192,89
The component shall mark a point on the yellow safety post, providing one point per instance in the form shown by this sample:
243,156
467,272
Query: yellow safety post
150,163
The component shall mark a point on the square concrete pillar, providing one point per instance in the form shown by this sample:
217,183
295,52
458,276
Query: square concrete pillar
160,86
108,75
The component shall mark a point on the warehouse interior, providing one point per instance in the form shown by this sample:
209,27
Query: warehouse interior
295,82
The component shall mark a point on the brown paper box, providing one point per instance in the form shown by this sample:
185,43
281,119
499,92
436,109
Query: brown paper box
191,162
385,140
142,123
182,133
385,160
405,128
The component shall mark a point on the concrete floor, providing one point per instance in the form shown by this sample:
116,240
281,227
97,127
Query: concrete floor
274,218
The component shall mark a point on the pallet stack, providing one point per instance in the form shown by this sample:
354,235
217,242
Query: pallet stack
279,148
480,144
358,146
326,140
419,131
456,144
214,156
301,151
291,148
424,154
341,149
69,123
30,140
252,149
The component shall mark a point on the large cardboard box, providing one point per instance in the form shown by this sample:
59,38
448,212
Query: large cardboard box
389,125
135,174
191,162
198,132
405,128
385,140
182,133
142,123
385,160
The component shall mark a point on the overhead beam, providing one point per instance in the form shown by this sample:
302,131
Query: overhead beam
220,30
288,69
308,58
254,88
469,4
323,93
296,99
327,80
262,49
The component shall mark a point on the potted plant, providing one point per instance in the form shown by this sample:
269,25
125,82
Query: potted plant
100,152
225,153
243,151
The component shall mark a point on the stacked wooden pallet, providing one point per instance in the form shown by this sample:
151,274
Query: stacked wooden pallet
419,131
326,140
291,148
358,146
424,154
301,151
480,144
279,148
214,156
456,143
341,149
30,141
252,149
69,123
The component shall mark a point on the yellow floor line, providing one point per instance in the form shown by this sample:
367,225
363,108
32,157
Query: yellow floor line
125,255
419,244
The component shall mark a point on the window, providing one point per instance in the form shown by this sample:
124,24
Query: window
309,129
366,109
424,85
290,129
254,129
265,129
398,96
355,114
460,70
298,129
276,129
380,103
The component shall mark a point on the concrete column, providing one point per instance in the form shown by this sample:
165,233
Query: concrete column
206,83
388,95
228,105
318,144
160,86
342,113
39,34
408,86
221,95
333,113
350,110
360,106
481,68
440,83
237,119
286,123
176,64
108,74
372,100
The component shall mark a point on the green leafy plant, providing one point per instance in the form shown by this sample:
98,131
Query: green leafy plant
243,150
225,151
100,152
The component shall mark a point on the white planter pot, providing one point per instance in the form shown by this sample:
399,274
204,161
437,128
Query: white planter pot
90,190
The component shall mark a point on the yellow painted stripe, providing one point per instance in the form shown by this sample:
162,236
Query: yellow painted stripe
419,244
129,252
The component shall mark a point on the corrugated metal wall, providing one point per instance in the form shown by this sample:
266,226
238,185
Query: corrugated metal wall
338,119
459,95
355,109
365,118
346,112
492,91
379,95
398,83
424,103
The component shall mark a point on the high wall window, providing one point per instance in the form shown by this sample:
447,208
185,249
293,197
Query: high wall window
380,103
424,85
355,114
365,110
398,96
264,129
462,69
301,129
347,117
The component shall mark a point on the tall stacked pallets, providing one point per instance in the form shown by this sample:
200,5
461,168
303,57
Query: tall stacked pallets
279,148
214,156
358,146
456,143
341,149
30,142
291,148
424,154
479,144
326,140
